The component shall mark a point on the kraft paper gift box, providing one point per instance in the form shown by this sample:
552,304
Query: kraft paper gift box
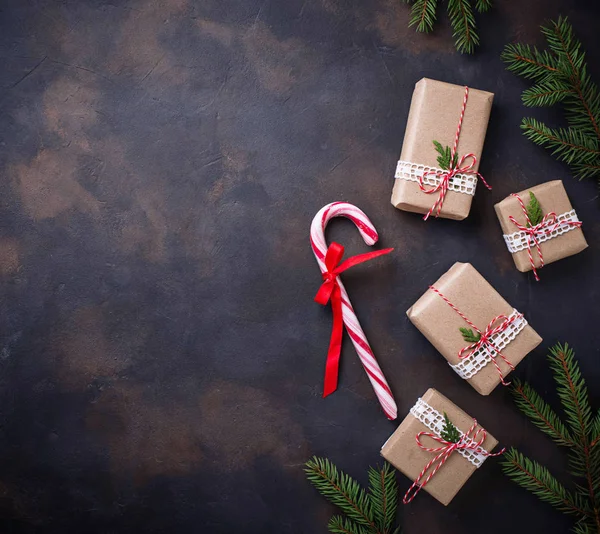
434,114
476,299
565,240
402,451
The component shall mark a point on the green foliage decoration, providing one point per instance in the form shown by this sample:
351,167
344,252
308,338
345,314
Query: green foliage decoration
534,210
579,433
560,76
469,336
450,432
462,18
371,511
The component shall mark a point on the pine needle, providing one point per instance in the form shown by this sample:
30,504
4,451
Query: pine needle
580,434
536,478
534,210
371,512
383,490
423,15
561,77
450,432
341,525
469,336
460,12
445,160
540,413
463,24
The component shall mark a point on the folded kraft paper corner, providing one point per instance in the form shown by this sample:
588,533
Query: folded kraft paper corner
473,295
552,198
434,113
402,451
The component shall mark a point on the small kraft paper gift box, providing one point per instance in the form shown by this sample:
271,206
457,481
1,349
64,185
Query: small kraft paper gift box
461,446
437,172
473,327
540,226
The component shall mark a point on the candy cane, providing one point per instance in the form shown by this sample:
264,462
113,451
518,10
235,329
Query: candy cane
319,246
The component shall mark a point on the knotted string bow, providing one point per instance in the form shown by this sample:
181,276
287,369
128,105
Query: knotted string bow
485,340
330,290
502,322
446,176
548,224
472,440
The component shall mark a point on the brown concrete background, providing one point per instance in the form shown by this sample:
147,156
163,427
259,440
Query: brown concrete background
161,355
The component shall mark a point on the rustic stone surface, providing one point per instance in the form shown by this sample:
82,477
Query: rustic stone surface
161,360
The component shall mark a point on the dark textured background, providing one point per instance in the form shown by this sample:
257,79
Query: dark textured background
161,355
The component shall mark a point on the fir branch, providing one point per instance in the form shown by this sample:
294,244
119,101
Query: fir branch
562,41
562,77
571,390
341,525
368,513
463,24
580,434
445,159
534,210
547,93
529,62
383,490
483,5
450,432
540,413
538,480
423,15
469,336
341,490
567,144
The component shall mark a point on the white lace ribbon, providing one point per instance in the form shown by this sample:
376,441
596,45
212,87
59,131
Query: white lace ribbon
517,241
434,421
413,172
479,358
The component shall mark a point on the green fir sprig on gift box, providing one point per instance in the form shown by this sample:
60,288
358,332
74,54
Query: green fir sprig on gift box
534,210
462,19
579,432
561,76
371,511
469,336
449,432
445,160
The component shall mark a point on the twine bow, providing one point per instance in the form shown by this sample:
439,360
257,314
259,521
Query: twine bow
489,332
472,440
446,176
548,224
330,290
497,325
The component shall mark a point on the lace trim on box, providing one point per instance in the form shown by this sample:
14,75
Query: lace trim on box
479,358
434,421
517,241
460,183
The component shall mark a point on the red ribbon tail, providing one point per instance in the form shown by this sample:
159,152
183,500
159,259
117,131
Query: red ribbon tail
335,344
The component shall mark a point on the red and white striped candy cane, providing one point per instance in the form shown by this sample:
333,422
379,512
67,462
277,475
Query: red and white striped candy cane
319,246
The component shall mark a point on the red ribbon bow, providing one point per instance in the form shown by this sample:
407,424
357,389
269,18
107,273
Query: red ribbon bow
489,332
330,290
472,440
445,178
549,224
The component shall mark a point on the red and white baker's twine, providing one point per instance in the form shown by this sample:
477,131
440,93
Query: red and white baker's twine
446,176
472,440
363,349
496,325
548,225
